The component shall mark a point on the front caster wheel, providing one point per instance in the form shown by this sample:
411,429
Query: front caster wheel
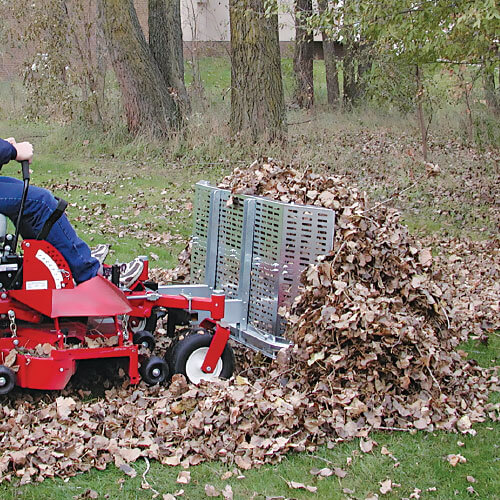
144,339
189,354
154,370
137,324
7,380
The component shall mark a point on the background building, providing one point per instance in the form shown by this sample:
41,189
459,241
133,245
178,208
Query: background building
204,22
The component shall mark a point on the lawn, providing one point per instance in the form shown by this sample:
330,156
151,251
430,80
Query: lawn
416,463
138,196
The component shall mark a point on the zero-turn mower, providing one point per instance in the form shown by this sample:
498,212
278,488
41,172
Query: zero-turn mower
48,323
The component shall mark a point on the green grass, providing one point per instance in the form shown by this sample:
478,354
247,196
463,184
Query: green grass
138,204
107,192
216,77
420,458
129,191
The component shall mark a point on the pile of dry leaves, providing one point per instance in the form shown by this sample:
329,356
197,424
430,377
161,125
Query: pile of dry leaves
372,329
374,334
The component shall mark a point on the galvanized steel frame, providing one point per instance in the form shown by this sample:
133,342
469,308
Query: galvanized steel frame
254,250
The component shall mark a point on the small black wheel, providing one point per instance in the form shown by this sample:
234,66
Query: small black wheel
7,380
154,370
198,330
144,339
189,354
137,324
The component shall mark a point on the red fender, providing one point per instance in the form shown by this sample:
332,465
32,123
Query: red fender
95,297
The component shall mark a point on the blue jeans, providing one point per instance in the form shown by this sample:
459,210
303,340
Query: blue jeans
40,203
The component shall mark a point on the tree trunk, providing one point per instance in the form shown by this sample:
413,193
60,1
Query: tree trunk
149,107
303,55
101,58
331,59
349,67
90,79
331,71
192,18
357,63
491,94
420,111
257,103
165,40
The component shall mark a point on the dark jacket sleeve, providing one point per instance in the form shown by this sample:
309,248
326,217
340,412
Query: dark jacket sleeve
7,152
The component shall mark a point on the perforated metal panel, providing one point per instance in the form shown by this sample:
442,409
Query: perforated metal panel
255,249
266,266
229,245
287,239
308,234
200,234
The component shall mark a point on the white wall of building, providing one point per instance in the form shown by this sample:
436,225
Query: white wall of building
208,21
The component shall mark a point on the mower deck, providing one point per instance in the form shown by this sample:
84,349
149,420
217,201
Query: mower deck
54,371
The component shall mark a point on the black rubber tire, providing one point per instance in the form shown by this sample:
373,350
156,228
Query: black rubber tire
187,347
7,380
152,322
144,339
170,355
148,365
149,325
137,324
176,317
198,330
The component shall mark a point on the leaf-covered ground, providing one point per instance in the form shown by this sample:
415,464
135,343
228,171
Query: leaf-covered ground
376,332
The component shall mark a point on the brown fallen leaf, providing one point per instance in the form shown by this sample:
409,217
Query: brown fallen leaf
454,460
211,491
371,307
130,454
65,406
47,348
415,493
174,460
243,462
300,486
366,446
10,359
324,472
227,492
385,486
89,493
464,423
130,471
184,477
340,472
425,257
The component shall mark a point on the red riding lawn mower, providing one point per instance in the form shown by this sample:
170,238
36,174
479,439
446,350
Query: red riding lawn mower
48,324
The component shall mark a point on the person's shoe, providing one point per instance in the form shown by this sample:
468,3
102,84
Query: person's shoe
100,252
129,273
